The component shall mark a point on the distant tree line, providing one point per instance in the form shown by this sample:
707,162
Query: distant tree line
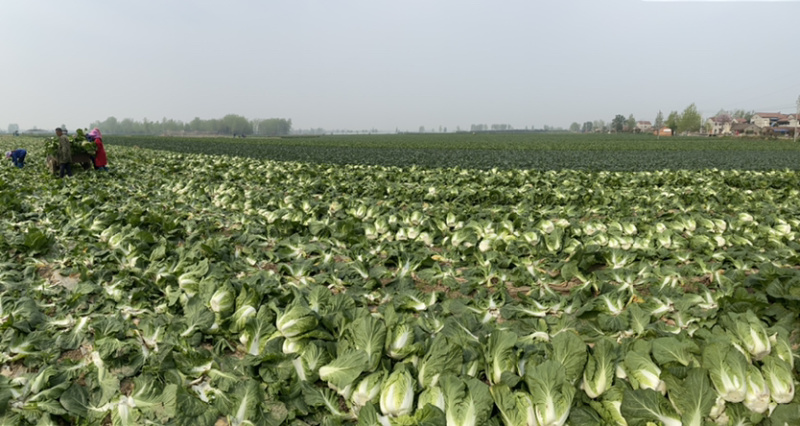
688,121
231,124
493,127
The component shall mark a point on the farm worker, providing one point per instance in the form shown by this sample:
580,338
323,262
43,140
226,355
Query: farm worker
100,159
64,153
18,157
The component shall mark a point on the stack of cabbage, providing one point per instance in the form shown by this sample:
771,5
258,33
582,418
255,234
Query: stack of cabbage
79,144
196,290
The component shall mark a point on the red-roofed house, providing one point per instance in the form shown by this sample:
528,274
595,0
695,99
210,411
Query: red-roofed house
664,131
788,120
767,119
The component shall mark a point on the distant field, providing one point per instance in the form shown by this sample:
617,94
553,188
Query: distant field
505,151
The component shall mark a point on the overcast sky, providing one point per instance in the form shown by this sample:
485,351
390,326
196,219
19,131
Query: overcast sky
357,64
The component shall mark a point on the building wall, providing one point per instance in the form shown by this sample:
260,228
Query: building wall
719,128
760,121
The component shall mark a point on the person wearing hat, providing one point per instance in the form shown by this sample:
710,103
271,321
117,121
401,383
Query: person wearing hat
64,153
18,157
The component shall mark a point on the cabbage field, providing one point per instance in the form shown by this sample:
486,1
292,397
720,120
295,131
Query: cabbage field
351,285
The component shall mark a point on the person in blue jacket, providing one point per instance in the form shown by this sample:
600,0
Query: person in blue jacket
18,157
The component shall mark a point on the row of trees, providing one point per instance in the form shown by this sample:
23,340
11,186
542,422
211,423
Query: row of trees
687,121
231,124
493,127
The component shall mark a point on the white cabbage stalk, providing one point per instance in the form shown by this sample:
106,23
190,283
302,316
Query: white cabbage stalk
242,315
644,371
471,368
757,397
745,217
547,226
780,379
753,335
782,348
727,368
295,321
397,394
404,335
346,392
222,300
551,393
718,410
433,396
614,407
598,374
297,363
367,389
293,346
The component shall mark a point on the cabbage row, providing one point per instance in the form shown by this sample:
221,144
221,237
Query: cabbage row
190,289
502,150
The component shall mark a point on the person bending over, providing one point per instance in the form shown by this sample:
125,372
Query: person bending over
17,156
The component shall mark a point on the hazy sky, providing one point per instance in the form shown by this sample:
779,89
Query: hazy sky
358,64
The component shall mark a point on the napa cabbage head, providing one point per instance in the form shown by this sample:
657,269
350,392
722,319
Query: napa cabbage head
296,320
727,368
551,392
367,389
433,396
397,393
599,372
516,408
779,378
223,300
751,332
756,398
400,341
467,401
642,372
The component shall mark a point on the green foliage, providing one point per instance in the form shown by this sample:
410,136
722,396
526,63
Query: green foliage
659,121
674,122
618,123
630,123
78,143
194,289
690,120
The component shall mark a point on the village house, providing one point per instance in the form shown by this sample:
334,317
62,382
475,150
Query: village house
766,119
664,131
775,123
760,123
719,125
789,120
743,128
643,126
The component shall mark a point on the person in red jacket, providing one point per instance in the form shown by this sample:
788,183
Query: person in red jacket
100,159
